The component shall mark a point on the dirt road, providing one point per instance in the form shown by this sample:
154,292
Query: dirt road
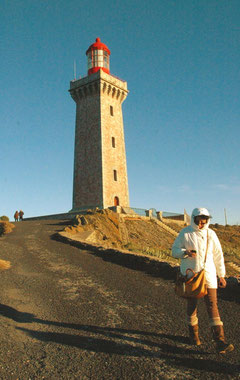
72,314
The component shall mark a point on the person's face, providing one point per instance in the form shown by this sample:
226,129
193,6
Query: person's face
200,221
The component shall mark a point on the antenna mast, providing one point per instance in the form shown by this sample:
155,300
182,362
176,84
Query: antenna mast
225,213
74,70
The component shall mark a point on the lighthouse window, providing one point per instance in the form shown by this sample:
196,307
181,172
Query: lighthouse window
115,175
94,58
105,59
111,110
113,142
89,60
97,58
100,58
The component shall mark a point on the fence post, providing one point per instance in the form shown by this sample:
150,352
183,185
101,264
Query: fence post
118,209
149,213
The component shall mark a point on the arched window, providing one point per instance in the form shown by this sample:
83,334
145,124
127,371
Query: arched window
116,201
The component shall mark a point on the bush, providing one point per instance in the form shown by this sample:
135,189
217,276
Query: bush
4,218
5,227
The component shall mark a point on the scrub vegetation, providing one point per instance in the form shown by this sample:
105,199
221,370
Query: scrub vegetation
107,229
4,218
5,227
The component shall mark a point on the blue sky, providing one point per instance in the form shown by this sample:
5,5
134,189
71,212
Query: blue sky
182,115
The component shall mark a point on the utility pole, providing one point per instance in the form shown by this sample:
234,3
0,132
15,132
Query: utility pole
74,70
225,213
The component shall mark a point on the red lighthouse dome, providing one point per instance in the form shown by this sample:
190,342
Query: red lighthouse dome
98,57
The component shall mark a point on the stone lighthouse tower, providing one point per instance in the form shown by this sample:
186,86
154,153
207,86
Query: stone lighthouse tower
100,170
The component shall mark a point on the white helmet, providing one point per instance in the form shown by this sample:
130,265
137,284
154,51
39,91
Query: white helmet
201,211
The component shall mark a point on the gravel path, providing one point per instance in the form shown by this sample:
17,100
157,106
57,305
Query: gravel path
66,313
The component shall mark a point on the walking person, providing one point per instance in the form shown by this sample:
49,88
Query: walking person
191,246
16,216
21,213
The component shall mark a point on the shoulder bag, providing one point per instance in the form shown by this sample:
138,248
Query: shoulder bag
194,287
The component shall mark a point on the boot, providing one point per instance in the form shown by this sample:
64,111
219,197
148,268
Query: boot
193,335
218,336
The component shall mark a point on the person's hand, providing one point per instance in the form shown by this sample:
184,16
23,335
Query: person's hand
190,253
222,282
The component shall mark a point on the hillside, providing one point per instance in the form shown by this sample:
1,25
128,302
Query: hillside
107,229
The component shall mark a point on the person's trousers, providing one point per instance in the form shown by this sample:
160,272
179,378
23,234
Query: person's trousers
211,305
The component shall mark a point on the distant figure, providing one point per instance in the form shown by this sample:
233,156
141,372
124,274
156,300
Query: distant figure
21,213
16,216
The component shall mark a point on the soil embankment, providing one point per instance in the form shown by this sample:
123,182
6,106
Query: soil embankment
105,229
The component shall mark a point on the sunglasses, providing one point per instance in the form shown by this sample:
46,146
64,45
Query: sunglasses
200,219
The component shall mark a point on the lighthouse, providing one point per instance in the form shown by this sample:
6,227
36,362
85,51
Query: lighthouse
100,168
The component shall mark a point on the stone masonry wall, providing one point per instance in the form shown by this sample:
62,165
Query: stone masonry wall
95,158
113,145
87,185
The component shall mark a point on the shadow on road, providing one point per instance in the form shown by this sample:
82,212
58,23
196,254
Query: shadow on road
141,263
114,342
144,264
133,343
15,315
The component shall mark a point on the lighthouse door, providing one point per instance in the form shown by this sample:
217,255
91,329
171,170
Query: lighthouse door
116,201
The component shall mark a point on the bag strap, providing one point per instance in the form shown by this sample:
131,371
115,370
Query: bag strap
206,250
204,258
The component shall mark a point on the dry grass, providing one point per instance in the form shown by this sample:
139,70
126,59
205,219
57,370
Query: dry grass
229,237
114,231
163,254
4,264
5,227
146,237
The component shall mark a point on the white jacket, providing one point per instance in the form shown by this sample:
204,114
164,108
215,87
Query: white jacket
192,237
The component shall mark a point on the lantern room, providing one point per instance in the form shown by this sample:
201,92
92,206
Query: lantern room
98,57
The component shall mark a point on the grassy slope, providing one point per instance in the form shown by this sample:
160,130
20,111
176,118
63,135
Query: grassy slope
145,236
